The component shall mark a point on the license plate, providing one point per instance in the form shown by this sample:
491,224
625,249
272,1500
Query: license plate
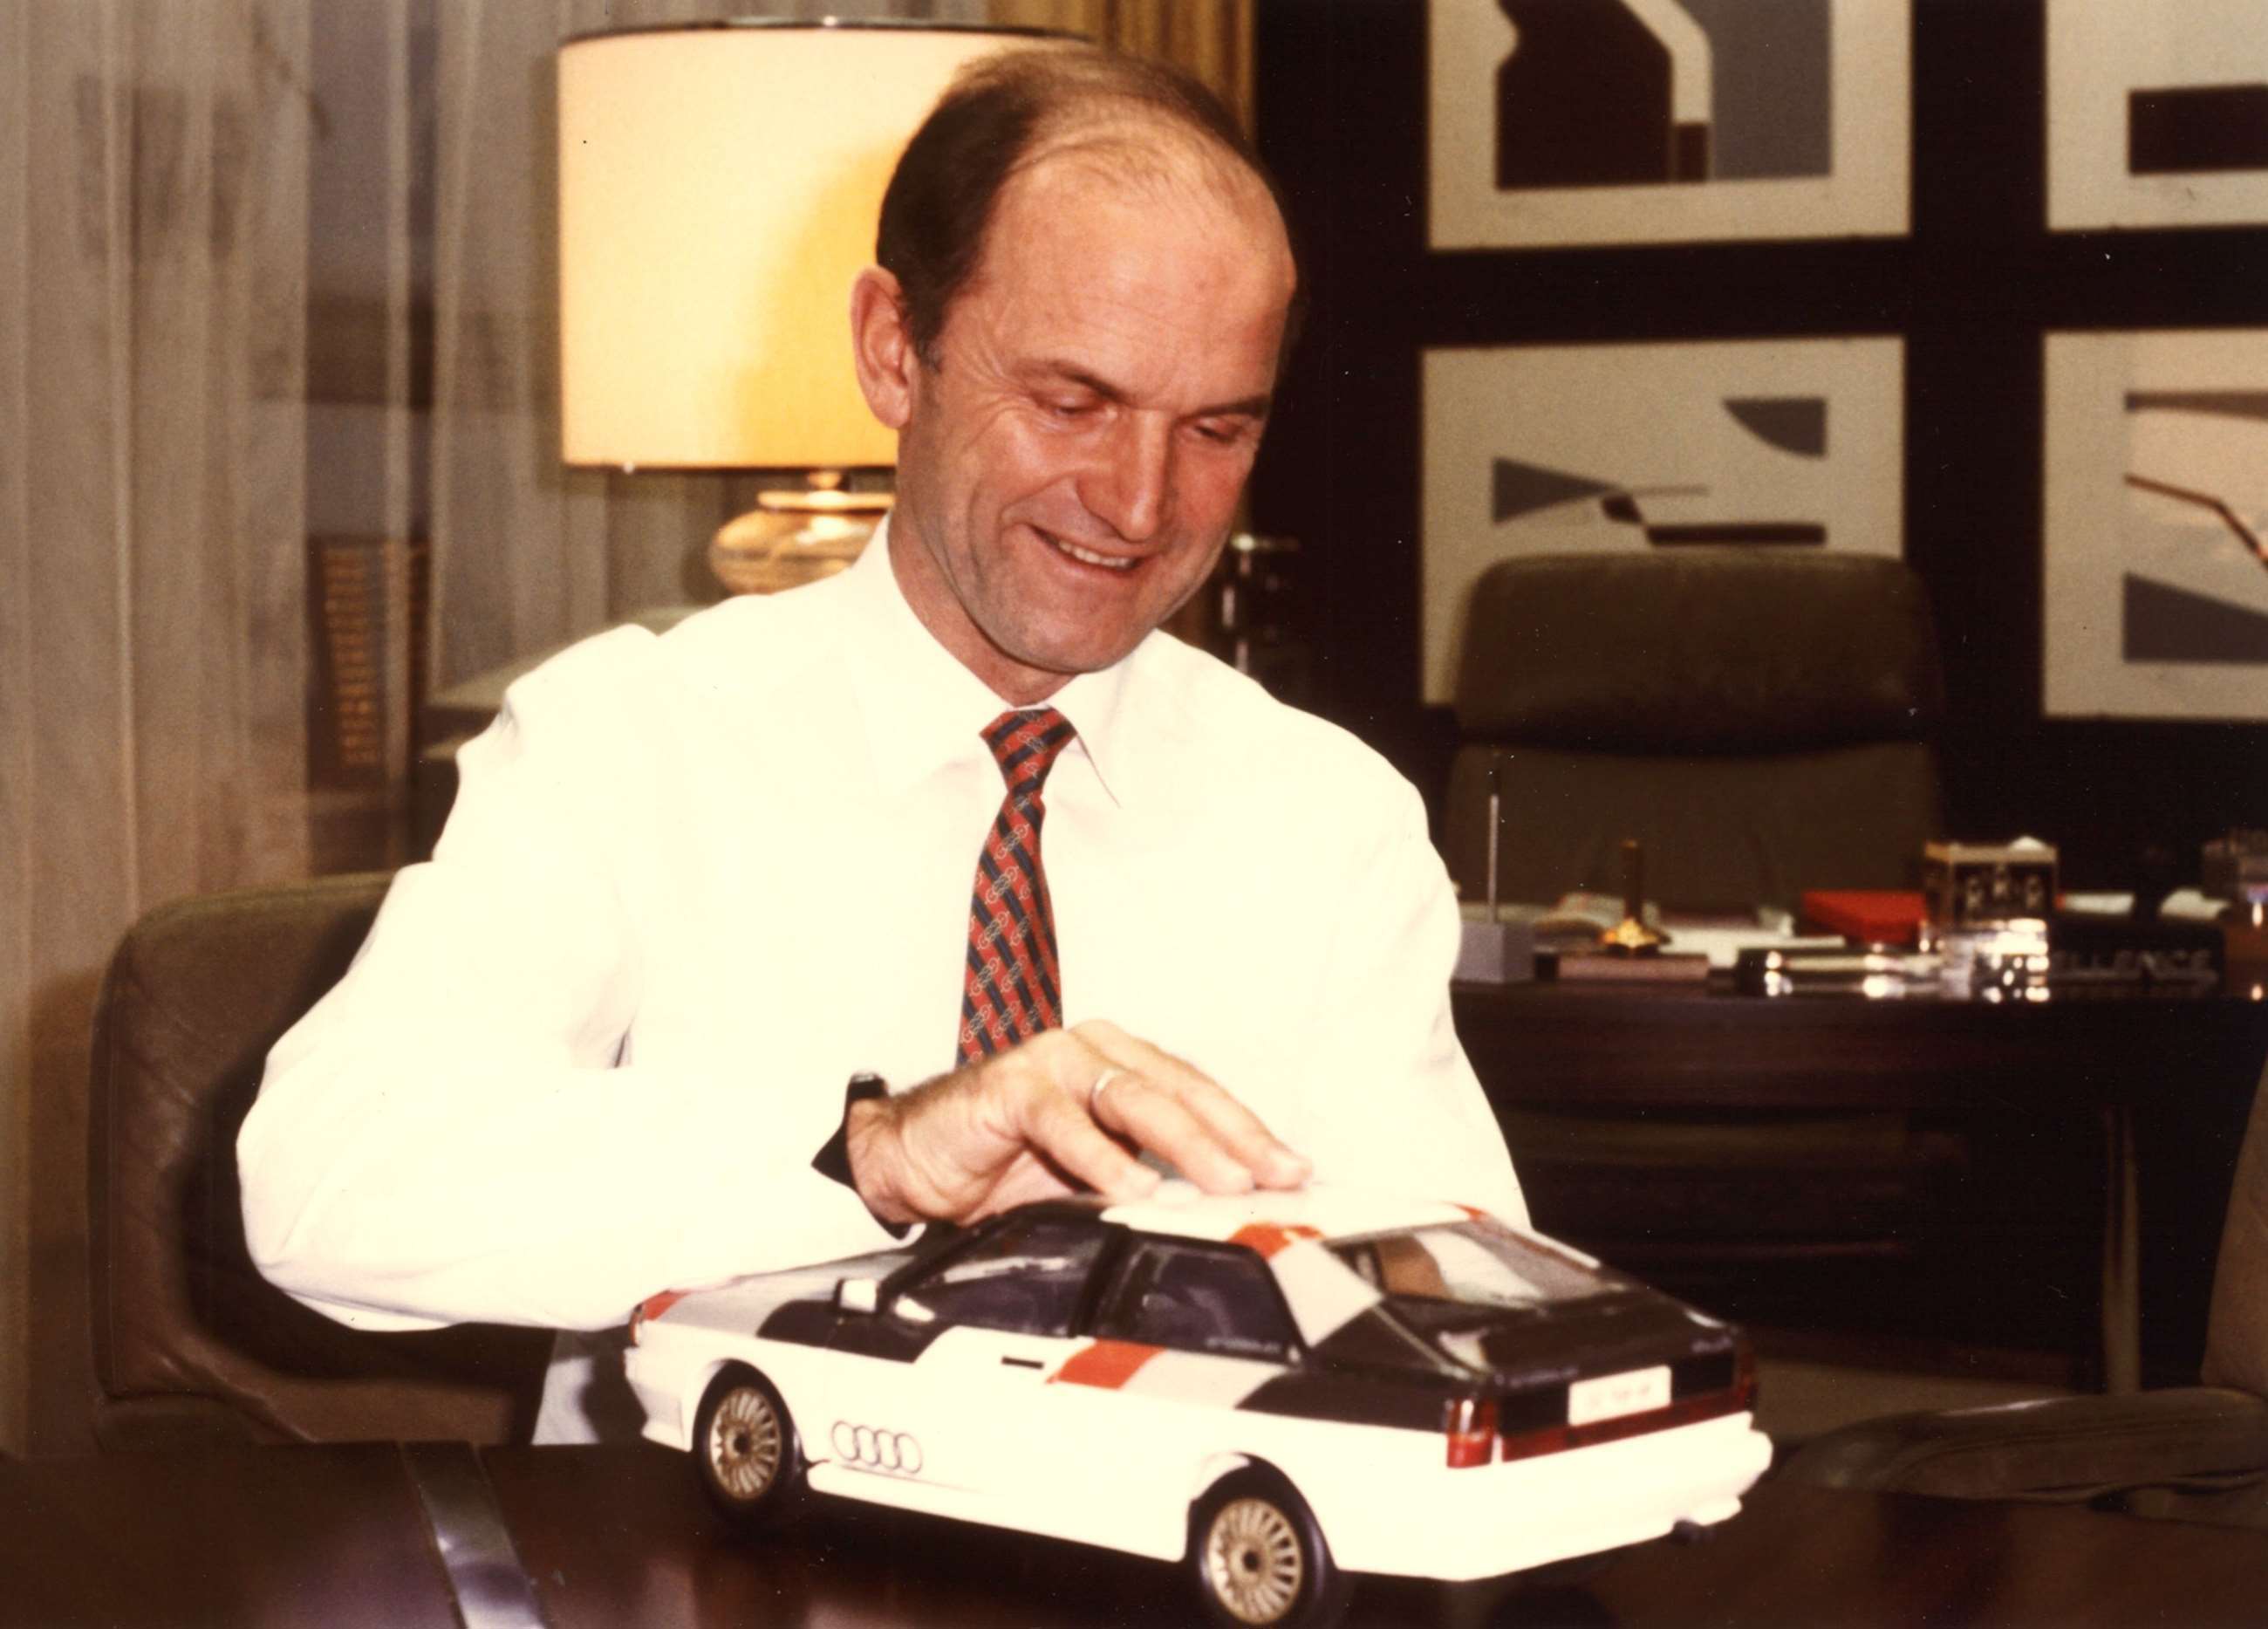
1609,1396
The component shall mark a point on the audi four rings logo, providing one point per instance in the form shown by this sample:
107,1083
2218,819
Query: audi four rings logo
878,1450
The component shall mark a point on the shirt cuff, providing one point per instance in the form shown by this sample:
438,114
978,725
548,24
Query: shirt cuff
833,1160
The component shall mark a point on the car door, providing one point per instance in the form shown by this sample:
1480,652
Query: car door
1183,1332
998,1317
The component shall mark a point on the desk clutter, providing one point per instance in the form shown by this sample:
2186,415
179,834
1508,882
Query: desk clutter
1990,923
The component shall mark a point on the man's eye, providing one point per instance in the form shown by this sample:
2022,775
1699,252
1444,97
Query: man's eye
1221,432
1071,410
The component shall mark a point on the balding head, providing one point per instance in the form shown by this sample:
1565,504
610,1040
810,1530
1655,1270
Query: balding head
1134,124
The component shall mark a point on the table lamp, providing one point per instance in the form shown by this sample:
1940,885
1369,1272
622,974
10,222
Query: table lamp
718,187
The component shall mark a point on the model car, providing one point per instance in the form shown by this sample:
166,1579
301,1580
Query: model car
1278,1390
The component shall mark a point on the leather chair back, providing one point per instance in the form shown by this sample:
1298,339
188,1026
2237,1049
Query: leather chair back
1759,718
191,1345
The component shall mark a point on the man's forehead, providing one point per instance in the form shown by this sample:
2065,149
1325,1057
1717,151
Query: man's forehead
1140,164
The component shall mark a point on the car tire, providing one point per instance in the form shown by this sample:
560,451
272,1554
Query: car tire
1258,1558
745,1446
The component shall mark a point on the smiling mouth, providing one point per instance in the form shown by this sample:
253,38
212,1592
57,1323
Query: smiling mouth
1088,556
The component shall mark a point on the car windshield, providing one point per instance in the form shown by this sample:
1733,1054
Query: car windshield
1025,1273
1472,1264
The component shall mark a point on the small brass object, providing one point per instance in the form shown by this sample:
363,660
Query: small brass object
1630,936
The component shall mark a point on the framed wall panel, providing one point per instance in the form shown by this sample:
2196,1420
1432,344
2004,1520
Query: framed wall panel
1547,448
2157,113
2156,504
1666,120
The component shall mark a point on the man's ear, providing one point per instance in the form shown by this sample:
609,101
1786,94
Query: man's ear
882,346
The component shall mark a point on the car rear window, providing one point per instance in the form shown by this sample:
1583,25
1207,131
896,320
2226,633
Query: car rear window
1475,1264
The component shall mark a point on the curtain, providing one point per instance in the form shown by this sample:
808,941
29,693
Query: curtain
277,332
153,266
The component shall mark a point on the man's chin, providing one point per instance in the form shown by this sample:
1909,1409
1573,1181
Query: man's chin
1062,660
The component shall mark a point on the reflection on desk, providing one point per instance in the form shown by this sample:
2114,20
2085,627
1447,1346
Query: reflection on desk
608,1536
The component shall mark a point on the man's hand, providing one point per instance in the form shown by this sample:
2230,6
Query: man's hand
1030,1124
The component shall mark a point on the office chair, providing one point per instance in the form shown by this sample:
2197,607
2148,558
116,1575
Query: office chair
192,1346
2190,1453
1758,717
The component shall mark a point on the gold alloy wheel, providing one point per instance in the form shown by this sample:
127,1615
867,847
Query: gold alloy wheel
1253,1559
745,1443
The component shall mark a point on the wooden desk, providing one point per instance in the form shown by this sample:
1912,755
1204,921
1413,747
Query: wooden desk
2148,1096
605,1537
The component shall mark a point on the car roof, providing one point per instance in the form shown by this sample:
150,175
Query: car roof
1180,1208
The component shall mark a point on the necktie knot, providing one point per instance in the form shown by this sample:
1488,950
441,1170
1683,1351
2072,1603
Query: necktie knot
1026,745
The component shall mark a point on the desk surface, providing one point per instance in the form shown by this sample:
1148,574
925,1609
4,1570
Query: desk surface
610,1537
1664,1045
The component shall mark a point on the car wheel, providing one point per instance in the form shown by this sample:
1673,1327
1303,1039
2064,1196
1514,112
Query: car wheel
745,1444
1259,1557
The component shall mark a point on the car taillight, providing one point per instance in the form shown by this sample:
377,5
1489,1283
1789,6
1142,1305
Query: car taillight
1470,1424
652,1307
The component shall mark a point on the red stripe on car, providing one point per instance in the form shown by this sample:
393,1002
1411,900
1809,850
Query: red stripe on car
1108,1364
1267,1238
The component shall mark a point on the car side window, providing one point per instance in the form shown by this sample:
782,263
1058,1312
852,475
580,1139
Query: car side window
1026,1275
1217,1300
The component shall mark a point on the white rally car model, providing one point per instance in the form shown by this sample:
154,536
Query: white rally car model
1282,1388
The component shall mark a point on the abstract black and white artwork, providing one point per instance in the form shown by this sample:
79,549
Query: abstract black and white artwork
2157,113
1570,121
2156,525
1768,444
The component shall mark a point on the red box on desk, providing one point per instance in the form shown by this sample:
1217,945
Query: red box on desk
1871,916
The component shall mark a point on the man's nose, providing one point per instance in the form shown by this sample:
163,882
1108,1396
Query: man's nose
1130,486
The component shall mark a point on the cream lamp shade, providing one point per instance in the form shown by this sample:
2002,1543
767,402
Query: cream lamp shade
719,187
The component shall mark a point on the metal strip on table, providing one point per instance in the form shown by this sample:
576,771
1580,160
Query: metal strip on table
492,1588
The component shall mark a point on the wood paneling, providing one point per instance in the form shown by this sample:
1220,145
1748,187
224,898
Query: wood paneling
1210,39
17,829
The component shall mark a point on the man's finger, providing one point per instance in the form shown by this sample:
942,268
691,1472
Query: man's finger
1140,1109
1220,1120
1058,1127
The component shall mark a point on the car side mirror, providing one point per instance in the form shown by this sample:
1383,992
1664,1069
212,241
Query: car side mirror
857,1294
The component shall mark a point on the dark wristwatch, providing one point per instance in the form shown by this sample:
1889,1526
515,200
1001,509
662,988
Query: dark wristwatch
834,1159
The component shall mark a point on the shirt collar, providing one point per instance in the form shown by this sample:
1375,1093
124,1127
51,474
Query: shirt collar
924,710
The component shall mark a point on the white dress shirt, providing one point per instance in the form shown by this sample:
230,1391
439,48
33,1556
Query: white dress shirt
693,883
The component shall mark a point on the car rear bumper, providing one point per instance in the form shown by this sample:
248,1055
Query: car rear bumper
1486,1521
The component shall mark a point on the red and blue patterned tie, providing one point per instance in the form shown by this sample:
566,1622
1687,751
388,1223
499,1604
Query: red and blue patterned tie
1013,988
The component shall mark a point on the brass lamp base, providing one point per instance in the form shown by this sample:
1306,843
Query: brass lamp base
792,538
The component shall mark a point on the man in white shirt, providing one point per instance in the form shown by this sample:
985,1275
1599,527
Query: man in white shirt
692,884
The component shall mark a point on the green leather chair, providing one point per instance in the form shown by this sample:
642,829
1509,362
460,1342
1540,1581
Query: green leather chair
192,1346
1758,717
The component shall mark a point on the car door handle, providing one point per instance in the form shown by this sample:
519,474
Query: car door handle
1023,1363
